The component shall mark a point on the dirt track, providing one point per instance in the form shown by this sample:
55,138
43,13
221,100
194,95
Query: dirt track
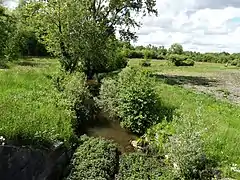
223,85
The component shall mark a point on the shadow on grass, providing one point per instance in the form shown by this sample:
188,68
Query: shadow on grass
29,63
3,64
181,80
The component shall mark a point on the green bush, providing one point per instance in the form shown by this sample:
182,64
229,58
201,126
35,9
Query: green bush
235,62
180,60
135,54
132,98
108,100
157,136
75,96
94,159
145,63
188,62
139,166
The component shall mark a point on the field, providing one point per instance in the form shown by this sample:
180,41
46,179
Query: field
28,110
198,102
206,94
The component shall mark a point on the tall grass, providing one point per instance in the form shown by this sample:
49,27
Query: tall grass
28,109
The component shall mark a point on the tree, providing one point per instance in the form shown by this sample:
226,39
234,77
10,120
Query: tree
83,32
176,49
7,26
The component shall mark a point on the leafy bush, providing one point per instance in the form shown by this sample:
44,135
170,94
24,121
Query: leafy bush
136,54
180,60
188,62
139,166
235,62
94,159
108,99
145,63
76,96
120,61
157,136
132,98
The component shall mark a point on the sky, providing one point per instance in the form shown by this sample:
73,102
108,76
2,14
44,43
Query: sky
199,25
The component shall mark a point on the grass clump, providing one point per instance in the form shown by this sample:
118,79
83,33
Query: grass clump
95,158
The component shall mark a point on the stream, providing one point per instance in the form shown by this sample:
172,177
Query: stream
111,130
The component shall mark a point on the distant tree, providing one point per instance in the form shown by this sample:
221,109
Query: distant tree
162,50
176,49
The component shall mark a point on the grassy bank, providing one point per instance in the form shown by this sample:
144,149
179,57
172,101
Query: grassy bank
218,120
28,110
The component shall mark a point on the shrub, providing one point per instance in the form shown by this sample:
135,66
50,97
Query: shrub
160,57
108,100
139,166
238,65
180,60
157,136
136,54
145,63
235,62
75,96
188,62
95,158
133,99
120,62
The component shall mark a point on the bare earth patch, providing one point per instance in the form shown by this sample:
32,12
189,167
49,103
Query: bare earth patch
224,85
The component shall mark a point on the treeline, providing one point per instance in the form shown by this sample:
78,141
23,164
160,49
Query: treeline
163,53
18,37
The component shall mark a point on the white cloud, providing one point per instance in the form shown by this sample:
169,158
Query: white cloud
206,25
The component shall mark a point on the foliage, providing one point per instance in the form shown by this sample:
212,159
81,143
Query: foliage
219,117
185,153
176,49
7,27
30,112
108,100
235,62
145,63
158,135
132,98
180,60
150,52
83,33
139,166
95,158
76,97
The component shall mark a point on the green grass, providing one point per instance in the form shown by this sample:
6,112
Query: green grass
220,119
28,110
199,67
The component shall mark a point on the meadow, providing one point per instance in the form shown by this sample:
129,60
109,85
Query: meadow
28,111
218,118
30,115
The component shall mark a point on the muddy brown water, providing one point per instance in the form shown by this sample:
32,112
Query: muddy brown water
110,129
